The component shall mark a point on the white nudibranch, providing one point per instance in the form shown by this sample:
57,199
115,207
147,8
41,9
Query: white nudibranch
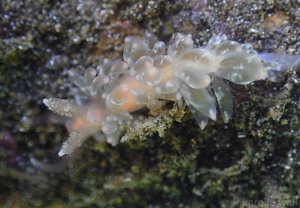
151,72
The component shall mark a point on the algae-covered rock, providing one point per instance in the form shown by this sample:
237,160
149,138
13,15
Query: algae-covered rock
167,160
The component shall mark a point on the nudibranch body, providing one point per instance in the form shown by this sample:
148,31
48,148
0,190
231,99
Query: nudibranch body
151,72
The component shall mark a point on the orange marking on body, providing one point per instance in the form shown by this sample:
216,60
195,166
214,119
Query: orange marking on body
97,113
78,122
132,83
